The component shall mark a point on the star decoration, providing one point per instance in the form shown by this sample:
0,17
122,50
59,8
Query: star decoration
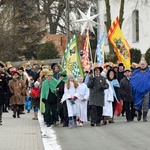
87,20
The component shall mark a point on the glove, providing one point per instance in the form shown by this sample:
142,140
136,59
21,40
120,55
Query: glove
75,98
44,100
70,99
72,102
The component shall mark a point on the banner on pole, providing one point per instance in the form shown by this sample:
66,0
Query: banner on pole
119,43
72,63
100,50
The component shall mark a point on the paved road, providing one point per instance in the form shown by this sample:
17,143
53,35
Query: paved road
20,133
121,135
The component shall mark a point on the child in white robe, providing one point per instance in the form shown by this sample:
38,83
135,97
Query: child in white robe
71,97
107,108
83,97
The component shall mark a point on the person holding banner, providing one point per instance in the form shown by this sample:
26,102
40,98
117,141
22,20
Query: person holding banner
97,84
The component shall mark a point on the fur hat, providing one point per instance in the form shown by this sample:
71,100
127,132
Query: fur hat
100,68
121,64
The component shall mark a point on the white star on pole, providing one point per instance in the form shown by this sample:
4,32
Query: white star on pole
87,21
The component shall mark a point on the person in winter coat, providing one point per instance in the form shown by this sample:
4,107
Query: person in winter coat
71,98
35,96
125,90
48,95
62,107
18,91
111,77
97,84
4,90
82,102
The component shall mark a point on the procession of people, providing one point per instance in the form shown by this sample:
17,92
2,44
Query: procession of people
64,99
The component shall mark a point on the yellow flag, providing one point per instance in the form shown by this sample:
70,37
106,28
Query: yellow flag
120,44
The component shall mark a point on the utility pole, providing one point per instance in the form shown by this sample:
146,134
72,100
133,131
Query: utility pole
67,23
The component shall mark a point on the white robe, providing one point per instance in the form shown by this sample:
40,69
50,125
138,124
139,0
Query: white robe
107,108
83,92
70,93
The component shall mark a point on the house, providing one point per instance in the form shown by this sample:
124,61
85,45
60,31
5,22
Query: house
135,26
60,41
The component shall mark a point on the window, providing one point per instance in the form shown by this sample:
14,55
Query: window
135,26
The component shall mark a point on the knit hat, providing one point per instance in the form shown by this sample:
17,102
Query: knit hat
36,83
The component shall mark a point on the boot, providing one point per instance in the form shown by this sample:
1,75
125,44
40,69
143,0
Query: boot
75,123
14,115
144,116
18,114
70,124
111,120
104,121
139,115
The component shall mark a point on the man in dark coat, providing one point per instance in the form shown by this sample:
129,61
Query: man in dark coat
120,75
62,107
4,89
97,84
125,90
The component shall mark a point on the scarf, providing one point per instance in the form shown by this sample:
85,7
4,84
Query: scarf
114,83
48,84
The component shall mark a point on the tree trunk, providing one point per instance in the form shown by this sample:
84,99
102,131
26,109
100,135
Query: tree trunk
108,24
121,19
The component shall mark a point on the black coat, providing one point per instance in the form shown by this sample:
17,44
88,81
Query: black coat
125,90
120,76
60,92
4,89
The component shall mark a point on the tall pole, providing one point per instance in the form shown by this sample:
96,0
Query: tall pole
67,23
98,21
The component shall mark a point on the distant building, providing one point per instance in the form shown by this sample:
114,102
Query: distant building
135,27
60,41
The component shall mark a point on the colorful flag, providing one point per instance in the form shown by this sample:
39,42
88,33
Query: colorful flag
72,63
120,44
100,50
85,55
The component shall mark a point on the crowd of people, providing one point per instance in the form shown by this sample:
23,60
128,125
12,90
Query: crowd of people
62,99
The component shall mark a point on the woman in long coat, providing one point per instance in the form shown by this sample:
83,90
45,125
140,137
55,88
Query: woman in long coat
18,90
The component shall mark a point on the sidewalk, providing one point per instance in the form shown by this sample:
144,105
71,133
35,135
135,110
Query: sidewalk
20,133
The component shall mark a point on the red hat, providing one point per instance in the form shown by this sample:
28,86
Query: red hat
15,72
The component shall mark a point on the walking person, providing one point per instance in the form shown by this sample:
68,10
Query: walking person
18,91
111,77
4,90
71,96
48,95
62,107
35,97
83,97
107,108
97,84
125,90
140,83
